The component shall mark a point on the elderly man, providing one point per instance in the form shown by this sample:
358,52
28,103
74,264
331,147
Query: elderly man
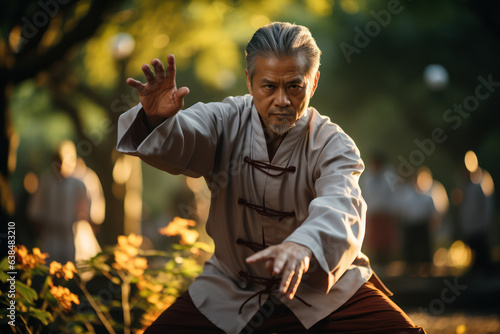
287,217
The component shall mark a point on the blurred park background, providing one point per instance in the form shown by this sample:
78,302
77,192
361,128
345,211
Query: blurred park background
415,83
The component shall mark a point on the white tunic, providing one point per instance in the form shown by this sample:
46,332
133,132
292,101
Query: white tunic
326,212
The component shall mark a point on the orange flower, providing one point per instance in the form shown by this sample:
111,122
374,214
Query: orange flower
133,240
180,226
27,260
64,296
55,267
21,251
65,271
126,255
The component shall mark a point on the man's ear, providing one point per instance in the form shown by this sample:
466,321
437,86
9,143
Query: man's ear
249,83
315,84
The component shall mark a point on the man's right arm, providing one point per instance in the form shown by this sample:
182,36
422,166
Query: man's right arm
185,143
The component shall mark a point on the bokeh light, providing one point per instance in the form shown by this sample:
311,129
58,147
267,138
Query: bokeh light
424,180
471,162
436,77
30,182
67,154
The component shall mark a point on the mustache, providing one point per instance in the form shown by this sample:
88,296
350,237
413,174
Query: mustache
282,111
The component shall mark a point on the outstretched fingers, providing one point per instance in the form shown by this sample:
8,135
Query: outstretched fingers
159,68
286,280
136,84
291,281
290,259
171,69
150,77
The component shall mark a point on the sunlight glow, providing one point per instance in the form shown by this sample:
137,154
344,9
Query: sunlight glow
439,197
471,162
459,255
133,197
424,180
30,182
94,191
133,210
86,245
67,154
487,184
122,170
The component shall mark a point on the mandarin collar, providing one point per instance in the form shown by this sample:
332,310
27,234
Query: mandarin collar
283,154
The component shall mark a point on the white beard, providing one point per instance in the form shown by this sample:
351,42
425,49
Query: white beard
280,129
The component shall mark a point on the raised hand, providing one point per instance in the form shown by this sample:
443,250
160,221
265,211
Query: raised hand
288,258
160,97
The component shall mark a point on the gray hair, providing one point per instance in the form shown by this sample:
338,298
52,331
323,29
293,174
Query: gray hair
280,39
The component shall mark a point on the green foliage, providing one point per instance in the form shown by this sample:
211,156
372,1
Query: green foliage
137,283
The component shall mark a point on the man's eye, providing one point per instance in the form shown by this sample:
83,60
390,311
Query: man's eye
268,86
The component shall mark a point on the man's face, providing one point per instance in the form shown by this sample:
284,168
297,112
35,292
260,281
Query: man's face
281,91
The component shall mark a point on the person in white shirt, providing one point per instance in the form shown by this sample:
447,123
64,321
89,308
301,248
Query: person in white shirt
287,216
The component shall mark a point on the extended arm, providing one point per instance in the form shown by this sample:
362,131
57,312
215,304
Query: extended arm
335,226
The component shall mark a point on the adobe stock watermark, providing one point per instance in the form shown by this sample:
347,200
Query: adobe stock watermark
265,311
454,117
448,295
372,29
40,19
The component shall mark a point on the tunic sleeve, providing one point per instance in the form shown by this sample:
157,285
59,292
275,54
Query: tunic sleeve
335,226
186,143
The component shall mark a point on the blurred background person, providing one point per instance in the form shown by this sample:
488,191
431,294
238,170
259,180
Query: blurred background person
381,237
416,211
476,212
60,201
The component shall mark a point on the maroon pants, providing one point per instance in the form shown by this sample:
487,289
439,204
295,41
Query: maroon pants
369,311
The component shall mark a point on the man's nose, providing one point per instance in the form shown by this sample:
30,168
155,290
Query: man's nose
281,98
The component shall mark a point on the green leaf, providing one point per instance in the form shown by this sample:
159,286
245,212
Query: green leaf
154,252
179,247
44,316
3,277
26,292
4,264
170,265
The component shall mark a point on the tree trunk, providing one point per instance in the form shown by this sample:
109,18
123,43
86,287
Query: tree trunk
6,198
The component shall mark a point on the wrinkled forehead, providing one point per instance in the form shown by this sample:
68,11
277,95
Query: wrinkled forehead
280,67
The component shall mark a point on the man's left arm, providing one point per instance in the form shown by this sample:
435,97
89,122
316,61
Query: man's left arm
333,232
